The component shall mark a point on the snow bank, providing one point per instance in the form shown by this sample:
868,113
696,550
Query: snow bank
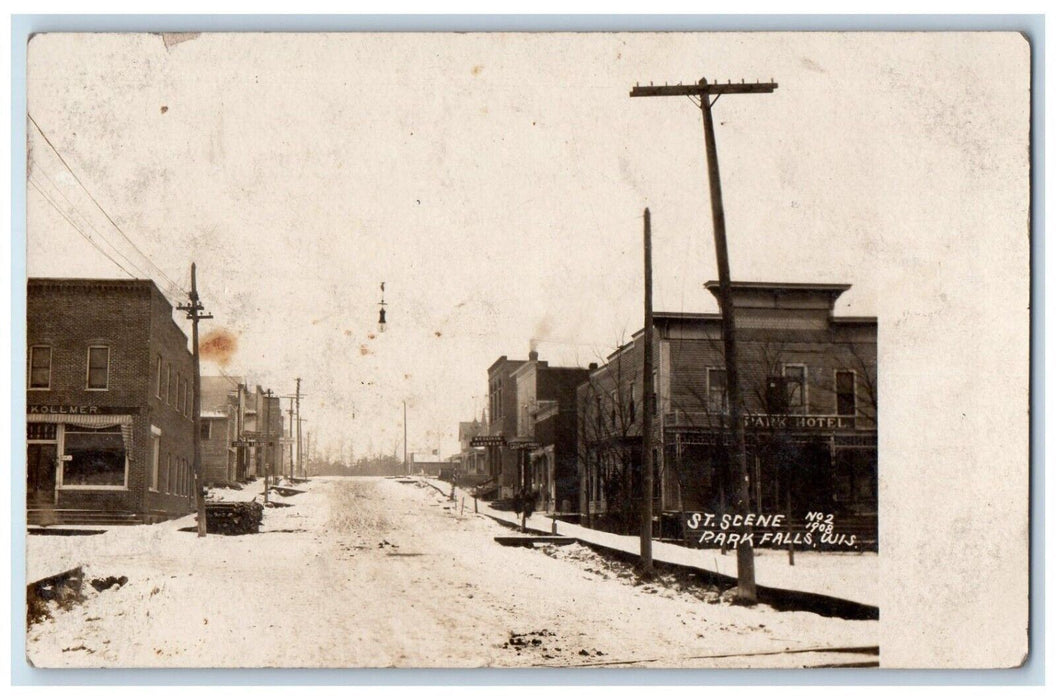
849,576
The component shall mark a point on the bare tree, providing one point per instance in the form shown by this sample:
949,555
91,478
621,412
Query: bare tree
609,444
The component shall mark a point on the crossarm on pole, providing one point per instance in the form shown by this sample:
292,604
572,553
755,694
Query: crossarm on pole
699,89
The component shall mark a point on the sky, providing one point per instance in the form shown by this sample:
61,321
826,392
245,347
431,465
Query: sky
495,183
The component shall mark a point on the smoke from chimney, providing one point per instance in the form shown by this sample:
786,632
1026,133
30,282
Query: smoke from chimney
542,330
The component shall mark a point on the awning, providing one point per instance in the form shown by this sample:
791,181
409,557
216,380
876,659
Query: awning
92,421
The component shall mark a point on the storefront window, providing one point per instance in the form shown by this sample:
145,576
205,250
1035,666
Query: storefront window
96,457
856,481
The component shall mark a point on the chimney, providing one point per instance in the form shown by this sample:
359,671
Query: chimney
592,366
533,356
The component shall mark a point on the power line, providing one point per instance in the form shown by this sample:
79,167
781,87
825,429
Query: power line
109,218
77,228
37,169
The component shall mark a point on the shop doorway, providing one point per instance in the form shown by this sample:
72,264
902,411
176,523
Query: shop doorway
40,475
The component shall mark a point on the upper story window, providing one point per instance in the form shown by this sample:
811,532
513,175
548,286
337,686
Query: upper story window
655,398
155,456
717,397
207,430
179,393
157,389
169,394
98,367
40,367
612,409
796,386
631,407
845,393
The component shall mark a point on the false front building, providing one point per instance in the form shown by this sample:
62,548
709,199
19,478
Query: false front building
545,441
108,404
808,379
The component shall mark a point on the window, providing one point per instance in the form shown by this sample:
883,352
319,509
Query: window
98,367
190,400
206,429
179,393
96,457
171,386
157,390
155,457
187,403
41,431
845,399
796,385
657,479
630,406
164,384
612,413
40,367
655,398
717,397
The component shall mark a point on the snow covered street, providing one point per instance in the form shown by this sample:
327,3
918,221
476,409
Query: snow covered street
376,572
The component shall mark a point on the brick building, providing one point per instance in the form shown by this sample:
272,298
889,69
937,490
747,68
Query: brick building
808,379
546,427
109,404
502,420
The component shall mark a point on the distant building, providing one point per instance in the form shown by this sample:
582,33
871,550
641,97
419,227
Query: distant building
224,458
109,404
809,382
503,463
472,461
263,431
545,441
430,468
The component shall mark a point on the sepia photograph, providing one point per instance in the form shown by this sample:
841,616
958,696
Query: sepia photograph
509,350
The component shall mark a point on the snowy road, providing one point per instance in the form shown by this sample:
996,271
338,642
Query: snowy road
379,573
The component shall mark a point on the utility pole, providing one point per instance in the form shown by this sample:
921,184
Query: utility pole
646,548
194,311
290,411
302,451
703,90
297,398
406,467
267,441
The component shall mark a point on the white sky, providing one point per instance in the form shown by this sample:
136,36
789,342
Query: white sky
496,183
